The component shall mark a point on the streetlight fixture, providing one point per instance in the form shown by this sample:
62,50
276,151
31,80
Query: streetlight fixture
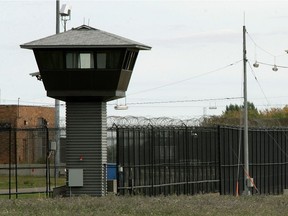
256,64
65,13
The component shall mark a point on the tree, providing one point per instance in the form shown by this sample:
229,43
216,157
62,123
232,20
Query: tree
234,110
233,115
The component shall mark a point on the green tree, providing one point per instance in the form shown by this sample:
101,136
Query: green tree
234,110
233,115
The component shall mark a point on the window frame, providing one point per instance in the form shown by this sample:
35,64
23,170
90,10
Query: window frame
76,55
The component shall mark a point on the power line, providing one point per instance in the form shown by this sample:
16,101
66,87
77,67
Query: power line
269,53
187,79
185,101
279,66
28,103
258,83
261,48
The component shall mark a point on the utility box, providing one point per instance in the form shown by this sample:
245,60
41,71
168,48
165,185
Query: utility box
112,186
111,171
53,146
250,182
75,177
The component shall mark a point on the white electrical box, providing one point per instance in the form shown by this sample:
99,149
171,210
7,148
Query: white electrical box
75,177
250,182
53,146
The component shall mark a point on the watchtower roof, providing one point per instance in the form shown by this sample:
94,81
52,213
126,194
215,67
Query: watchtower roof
84,37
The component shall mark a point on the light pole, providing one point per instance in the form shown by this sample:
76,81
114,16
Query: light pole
57,107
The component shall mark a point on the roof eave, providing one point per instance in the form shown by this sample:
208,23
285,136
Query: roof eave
140,47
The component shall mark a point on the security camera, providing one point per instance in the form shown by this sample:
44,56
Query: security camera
37,75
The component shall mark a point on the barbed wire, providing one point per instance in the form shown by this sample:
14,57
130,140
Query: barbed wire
134,121
141,121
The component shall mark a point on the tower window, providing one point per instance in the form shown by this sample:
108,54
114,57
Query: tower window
130,60
101,60
79,60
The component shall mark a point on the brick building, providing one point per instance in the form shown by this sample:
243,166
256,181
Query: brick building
27,133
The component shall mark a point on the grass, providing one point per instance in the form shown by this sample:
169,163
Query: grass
28,182
210,204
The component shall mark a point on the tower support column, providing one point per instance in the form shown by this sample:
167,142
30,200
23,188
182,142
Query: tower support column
86,146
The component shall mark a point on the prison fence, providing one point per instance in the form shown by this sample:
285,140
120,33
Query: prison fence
195,160
161,159
27,164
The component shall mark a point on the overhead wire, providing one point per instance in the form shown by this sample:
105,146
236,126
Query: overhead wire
267,52
184,101
274,140
279,66
187,79
257,81
261,48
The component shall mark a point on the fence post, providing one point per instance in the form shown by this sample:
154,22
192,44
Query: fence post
186,159
16,165
10,161
45,127
219,158
118,168
152,136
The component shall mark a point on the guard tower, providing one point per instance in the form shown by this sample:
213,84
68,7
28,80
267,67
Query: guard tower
85,67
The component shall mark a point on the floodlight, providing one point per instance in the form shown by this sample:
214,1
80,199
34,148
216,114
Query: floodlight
256,64
65,13
121,107
65,10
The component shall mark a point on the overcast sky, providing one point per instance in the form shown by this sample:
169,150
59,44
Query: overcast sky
195,62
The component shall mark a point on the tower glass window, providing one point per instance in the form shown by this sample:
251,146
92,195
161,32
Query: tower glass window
79,60
129,60
85,60
71,60
101,60
49,60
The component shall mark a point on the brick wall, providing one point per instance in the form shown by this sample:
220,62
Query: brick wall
30,143
8,114
5,139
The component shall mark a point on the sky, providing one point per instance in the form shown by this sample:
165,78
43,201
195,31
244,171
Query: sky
195,66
